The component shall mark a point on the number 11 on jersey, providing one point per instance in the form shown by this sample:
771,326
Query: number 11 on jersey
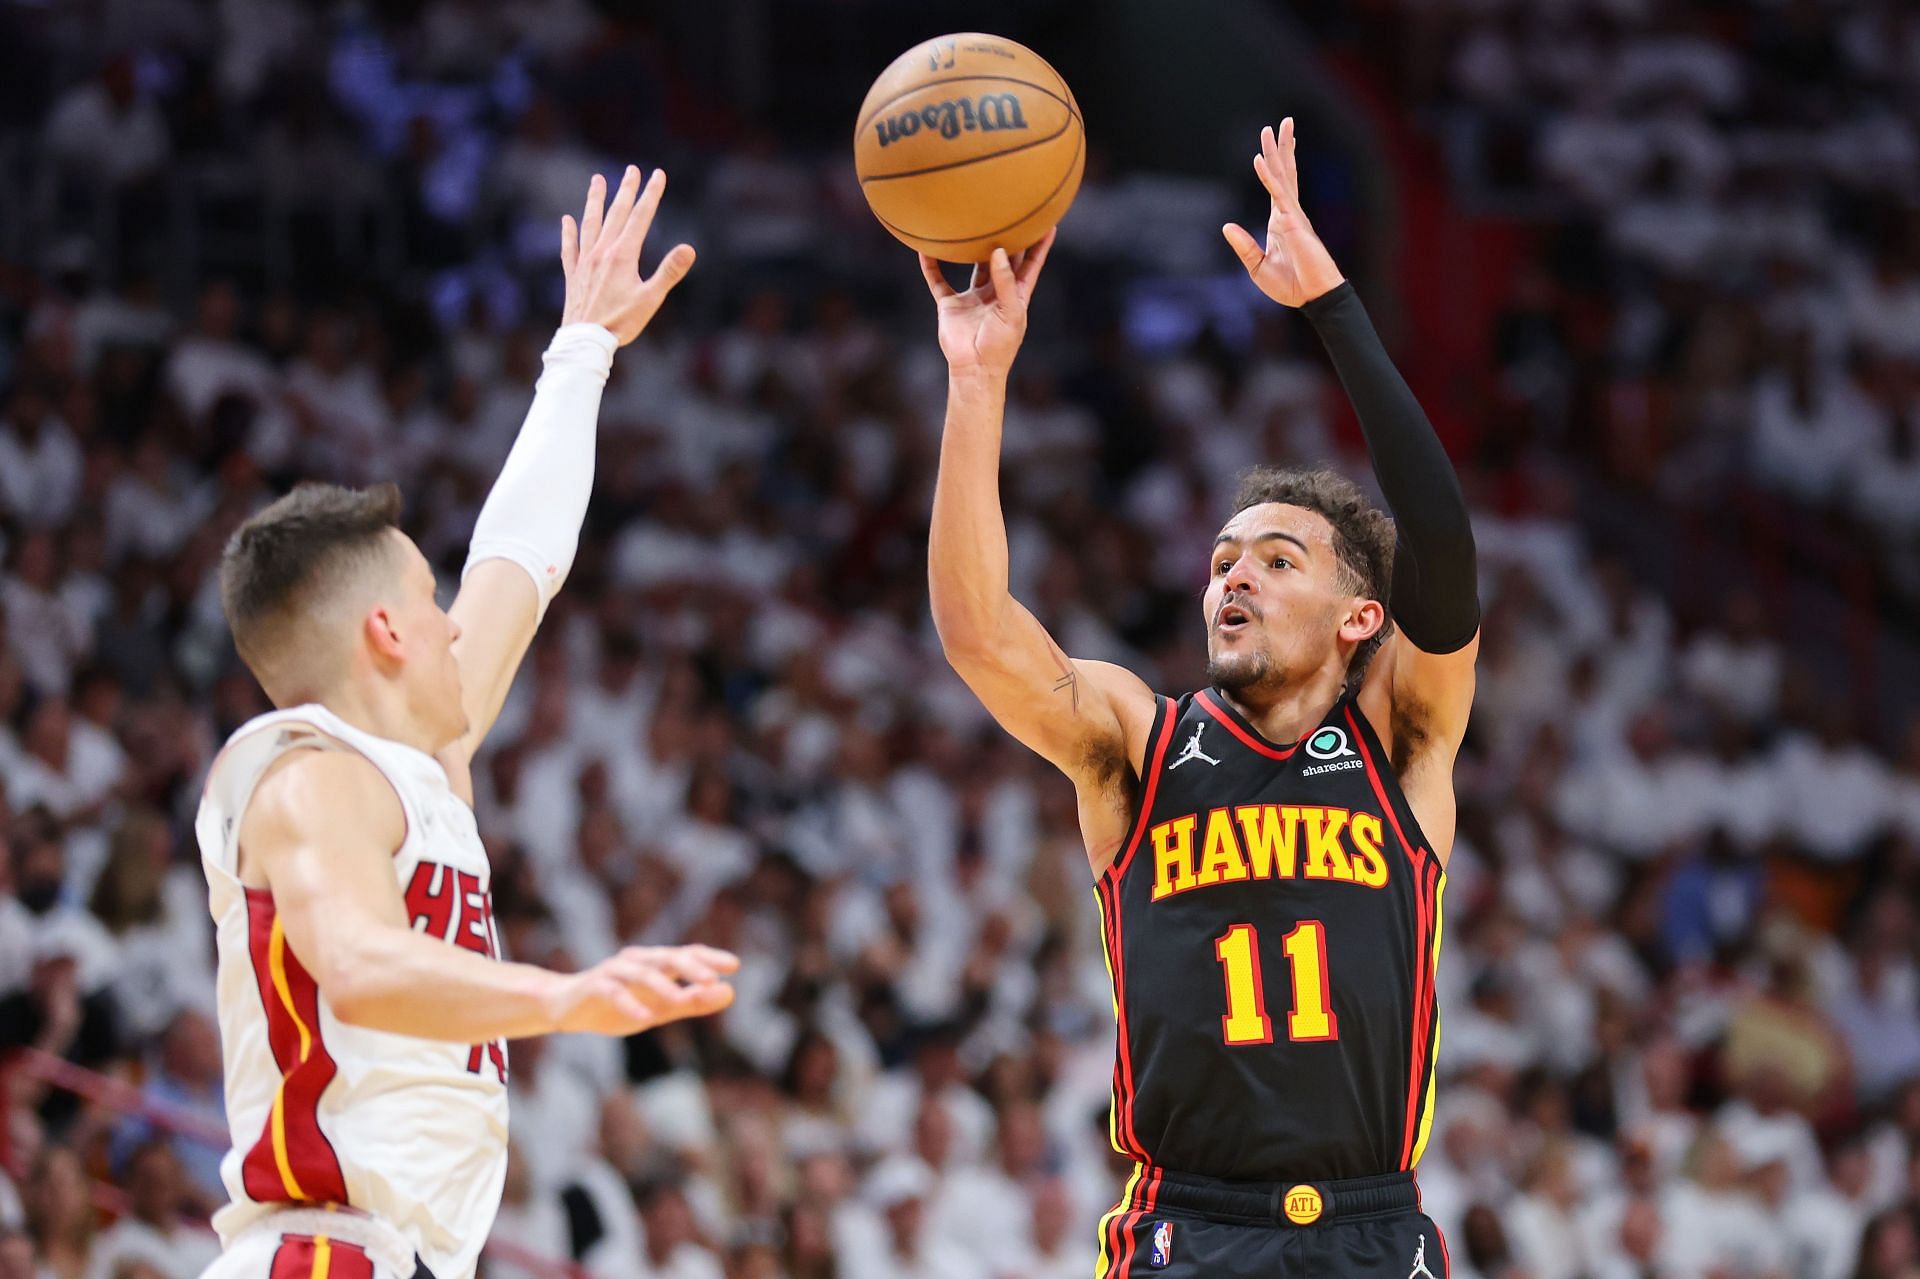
1246,1020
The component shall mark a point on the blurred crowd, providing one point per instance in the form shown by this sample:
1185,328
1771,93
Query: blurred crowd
1733,291
1681,1019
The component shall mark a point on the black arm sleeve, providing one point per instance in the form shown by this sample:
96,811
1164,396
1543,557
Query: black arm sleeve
1435,598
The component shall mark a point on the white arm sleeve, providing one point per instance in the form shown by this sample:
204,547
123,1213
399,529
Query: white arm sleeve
534,512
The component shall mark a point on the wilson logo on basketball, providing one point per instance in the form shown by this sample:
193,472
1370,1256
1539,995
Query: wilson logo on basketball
989,113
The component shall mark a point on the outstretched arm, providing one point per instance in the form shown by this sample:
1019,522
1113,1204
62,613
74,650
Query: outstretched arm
1421,684
320,833
528,530
1081,716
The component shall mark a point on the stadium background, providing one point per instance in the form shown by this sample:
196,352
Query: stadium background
1654,266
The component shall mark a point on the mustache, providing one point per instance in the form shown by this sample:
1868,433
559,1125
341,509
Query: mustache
1240,601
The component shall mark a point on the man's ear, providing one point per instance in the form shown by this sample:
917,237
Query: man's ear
383,637
1363,620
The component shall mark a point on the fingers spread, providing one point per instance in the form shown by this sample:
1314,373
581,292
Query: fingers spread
622,207
723,961
1270,179
1288,170
595,212
709,999
569,243
1244,246
689,967
630,1009
936,280
634,234
656,988
1033,259
1000,268
672,269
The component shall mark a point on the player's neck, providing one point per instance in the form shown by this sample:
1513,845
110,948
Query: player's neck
380,709
1290,712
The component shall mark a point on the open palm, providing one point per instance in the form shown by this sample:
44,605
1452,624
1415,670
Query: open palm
1295,267
982,327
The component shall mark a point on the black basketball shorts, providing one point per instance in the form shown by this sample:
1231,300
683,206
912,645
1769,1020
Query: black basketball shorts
1181,1227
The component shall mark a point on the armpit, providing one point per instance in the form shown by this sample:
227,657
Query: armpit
1412,734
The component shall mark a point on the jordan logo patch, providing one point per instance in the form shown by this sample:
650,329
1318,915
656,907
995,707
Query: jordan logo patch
1191,751
1420,1270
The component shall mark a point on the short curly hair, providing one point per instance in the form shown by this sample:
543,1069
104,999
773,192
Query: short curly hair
1363,535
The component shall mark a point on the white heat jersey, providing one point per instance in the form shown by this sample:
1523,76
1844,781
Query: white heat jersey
413,1131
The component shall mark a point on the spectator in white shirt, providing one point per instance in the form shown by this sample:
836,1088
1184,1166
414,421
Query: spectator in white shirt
1835,794
898,1189
1542,1222
1809,422
1824,1226
40,461
71,775
674,1246
107,127
46,638
210,361
1737,666
155,1228
60,1215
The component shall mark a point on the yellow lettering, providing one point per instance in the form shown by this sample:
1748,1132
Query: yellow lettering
1326,859
1269,830
1173,857
1221,862
1371,868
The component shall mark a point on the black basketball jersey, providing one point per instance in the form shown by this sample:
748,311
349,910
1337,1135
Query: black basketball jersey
1272,925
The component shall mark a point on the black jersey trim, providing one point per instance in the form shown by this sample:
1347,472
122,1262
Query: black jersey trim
1161,734
1231,720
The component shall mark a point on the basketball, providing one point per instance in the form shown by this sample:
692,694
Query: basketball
967,144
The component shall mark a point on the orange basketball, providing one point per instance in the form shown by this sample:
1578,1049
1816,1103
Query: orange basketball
969,143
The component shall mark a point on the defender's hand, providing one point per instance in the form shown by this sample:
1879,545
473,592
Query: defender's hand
982,328
641,987
1295,268
601,257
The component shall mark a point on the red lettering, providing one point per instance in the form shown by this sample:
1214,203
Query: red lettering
430,899
475,909
496,1052
432,896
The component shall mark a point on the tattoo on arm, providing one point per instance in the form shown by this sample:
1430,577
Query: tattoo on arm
1069,680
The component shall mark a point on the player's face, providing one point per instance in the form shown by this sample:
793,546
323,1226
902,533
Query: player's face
432,674
1275,598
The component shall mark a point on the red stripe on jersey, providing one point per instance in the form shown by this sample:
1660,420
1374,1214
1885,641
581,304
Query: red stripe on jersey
293,1259
1123,1065
292,1161
1423,895
1380,791
1117,1233
350,1261
301,1257
1219,712
1148,1196
1156,755
1422,1012
1446,1262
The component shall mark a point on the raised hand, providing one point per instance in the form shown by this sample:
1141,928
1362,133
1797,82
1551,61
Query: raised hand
641,987
601,257
982,328
1295,267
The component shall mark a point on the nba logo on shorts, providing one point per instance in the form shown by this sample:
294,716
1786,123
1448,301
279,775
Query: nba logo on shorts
1162,1253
